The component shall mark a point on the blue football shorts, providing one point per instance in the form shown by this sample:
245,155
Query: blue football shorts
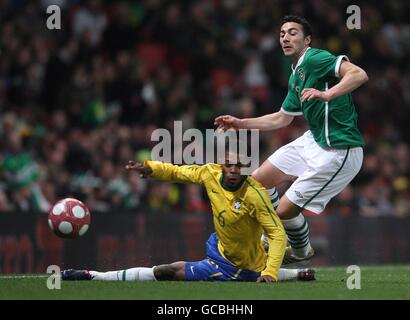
215,267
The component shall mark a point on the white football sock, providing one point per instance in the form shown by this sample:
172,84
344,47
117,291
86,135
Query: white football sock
133,274
288,274
297,231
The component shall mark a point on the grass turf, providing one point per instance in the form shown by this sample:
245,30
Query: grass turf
377,282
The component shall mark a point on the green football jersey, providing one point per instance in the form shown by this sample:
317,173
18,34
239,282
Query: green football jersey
333,123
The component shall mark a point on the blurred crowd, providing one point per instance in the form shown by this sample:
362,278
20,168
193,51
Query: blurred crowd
77,103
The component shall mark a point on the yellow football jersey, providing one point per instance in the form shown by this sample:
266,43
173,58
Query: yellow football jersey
240,215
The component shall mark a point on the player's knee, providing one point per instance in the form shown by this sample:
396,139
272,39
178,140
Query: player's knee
259,177
287,210
168,271
164,272
283,215
267,176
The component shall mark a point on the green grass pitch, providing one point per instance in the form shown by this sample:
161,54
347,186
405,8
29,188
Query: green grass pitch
377,282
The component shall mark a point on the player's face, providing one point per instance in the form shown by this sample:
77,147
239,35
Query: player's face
232,169
292,39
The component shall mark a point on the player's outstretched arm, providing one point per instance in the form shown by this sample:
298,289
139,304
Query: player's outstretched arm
352,77
265,123
169,172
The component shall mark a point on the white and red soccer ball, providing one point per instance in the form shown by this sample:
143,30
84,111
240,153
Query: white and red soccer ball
69,218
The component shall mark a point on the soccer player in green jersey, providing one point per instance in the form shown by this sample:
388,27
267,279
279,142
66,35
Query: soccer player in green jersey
325,158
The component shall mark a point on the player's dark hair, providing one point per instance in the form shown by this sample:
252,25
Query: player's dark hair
242,146
238,144
307,29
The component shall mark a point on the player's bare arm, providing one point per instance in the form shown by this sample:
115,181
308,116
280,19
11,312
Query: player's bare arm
265,123
352,77
143,169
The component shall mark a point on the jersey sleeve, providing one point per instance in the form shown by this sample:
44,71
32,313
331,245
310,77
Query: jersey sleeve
275,234
291,104
174,173
324,64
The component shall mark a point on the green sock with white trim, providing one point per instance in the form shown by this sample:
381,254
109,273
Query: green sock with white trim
274,197
297,231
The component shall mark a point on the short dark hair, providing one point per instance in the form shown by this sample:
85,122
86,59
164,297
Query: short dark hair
307,29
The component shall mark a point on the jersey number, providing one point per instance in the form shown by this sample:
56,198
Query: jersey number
221,219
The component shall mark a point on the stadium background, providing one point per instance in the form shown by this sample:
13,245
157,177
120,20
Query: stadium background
77,103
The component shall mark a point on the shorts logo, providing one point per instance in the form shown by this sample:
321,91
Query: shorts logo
298,194
301,74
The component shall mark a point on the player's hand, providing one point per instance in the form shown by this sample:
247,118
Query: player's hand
265,279
143,169
314,94
227,122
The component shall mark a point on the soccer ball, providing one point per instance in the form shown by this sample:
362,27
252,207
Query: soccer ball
69,218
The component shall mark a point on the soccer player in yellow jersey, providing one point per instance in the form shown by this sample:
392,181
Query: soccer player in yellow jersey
241,212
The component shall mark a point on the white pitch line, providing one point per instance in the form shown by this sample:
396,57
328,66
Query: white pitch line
23,277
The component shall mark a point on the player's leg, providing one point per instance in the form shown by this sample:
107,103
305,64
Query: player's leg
132,274
297,231
328,173
271,177
281,168
172,271
296,274
203,270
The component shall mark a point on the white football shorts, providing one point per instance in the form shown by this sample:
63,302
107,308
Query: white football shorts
321,173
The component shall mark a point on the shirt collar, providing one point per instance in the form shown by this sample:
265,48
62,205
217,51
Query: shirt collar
229,188
299,61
